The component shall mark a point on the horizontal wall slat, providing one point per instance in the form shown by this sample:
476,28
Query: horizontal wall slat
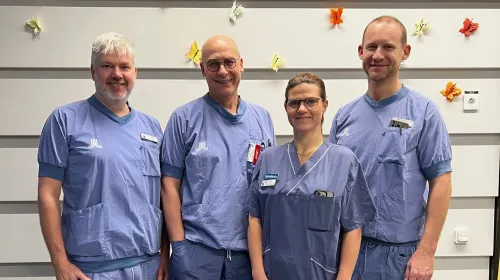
475,172
478,223
24,235
260,32
23,241
19,174
461,268
160,97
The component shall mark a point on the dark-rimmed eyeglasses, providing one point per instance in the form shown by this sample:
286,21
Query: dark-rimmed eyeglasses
214,64
310,103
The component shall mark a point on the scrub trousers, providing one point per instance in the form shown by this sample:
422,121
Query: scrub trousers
196,261
379,260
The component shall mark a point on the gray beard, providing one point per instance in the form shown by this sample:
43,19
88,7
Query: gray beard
102,91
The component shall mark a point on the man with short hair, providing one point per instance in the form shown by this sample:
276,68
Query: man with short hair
105,156
402,143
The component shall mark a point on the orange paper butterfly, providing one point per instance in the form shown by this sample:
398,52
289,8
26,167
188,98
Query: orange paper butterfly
335,15
451,91
469,27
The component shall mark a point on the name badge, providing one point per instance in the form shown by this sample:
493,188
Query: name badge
150,138
269,180
253,152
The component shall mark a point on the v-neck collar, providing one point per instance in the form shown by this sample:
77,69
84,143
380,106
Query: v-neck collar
309,164
401,93
242,107
108,113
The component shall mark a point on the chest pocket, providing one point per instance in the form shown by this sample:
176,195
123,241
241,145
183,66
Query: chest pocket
321,213
394,145
150,154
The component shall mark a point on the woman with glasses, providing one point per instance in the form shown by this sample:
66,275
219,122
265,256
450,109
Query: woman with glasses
308,200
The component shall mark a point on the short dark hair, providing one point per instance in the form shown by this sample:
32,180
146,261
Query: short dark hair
389,19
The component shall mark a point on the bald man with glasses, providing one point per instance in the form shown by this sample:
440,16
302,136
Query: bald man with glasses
209,149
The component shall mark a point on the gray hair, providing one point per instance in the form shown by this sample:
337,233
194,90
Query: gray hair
111,43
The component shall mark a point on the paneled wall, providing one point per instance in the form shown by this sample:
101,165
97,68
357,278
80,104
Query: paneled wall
37,74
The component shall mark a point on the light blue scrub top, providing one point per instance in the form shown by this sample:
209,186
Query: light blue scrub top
109,167
206,147
396,162
302,232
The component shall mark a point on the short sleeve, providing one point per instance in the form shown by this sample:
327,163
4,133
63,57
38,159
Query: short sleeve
173,147
358,207
434,146
333,130
53,150
253,195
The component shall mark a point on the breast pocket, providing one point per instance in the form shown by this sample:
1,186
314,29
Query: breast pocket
393,145
150,154
321,213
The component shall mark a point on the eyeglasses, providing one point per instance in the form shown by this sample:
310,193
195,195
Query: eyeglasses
310,103
214,64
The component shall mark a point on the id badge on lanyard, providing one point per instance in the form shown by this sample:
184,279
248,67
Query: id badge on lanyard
254,151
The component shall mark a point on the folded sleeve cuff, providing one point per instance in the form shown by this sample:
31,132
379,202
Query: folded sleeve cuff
51,171
437,169
171,171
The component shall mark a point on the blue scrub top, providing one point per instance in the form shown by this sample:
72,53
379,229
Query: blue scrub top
397,162
302,232
207,148
109,167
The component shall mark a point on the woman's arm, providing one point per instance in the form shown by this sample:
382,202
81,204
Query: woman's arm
255,248
351,242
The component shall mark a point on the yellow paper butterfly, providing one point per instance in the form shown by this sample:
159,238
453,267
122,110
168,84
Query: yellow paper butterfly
277,62
235,11
35,24
421,27
194,53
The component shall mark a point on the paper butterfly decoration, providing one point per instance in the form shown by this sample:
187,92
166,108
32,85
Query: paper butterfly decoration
235,11
451,91
194,53
469,27
35,24
421,27
336,15
276,62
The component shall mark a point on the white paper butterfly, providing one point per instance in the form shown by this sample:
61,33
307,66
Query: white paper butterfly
235,11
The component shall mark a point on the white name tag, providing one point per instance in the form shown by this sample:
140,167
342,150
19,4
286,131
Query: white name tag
147,137
268,183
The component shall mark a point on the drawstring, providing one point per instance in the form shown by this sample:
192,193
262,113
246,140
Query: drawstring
228,254
365,249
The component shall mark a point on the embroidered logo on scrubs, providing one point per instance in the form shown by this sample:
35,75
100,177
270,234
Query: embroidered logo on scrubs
343,134
269,180
94,144
201,146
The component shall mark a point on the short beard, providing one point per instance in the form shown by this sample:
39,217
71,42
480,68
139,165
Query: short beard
103,92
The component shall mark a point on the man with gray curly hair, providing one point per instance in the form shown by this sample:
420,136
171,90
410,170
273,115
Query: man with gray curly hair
104,155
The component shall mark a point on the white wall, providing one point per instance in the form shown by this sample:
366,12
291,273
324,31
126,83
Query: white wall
39,74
